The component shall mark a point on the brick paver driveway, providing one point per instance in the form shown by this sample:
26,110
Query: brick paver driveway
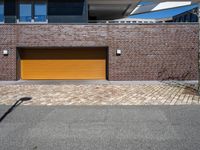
99,94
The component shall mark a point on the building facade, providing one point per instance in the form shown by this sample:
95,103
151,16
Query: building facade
148,52
32,47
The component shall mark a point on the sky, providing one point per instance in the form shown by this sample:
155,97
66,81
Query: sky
164,13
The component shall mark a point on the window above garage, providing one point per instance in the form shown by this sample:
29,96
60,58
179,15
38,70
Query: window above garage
1,11
52,11
43,11
32,11
40,11
25,11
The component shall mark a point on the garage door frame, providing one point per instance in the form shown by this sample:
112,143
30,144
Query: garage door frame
18,59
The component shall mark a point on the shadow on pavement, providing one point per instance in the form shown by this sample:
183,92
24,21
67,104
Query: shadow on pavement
17,103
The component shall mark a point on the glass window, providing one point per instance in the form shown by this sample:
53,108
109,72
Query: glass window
40,11
9,7
194,18
188,17
65,7
185,18
25,11
1,11
180,19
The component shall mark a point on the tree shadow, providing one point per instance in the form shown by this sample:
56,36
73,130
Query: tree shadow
189,88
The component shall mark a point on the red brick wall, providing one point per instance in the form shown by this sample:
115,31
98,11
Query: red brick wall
149,52
8,42
153,52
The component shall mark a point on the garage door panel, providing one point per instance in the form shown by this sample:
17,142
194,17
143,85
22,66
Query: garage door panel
90,68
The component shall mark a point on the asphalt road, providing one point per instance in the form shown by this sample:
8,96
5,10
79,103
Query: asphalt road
101,128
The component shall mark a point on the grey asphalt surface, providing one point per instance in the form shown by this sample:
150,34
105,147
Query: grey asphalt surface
101,128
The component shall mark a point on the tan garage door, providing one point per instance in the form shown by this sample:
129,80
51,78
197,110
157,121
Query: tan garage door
69,63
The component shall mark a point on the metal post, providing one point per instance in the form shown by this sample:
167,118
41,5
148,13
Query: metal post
199,53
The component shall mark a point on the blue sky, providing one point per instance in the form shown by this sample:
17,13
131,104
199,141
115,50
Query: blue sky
164,13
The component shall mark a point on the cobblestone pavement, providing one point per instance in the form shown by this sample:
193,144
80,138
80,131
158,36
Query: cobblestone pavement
100,94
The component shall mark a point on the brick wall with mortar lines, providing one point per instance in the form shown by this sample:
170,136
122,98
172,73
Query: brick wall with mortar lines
149,52
154,52
8,42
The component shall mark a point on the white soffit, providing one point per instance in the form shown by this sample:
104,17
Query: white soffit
167,5
159,6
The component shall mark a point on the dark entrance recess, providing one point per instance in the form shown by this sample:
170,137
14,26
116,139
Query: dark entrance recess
67,11
10,11
67,7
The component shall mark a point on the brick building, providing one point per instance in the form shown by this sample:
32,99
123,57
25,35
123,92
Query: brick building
36,43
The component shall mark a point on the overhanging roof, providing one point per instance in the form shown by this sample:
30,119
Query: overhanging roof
165,13
110,9
114,9
158,6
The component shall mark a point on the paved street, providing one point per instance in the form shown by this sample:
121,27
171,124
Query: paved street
99,93
50,122
101,128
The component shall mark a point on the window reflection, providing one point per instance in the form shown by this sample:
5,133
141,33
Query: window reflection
40,12
25,11
1,11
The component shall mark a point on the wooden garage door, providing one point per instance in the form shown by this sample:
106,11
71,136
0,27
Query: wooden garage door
69,63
